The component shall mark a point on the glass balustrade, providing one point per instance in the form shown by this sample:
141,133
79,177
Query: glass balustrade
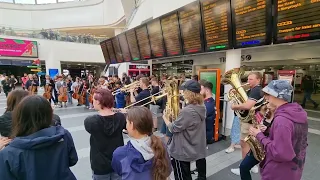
37,1
51,35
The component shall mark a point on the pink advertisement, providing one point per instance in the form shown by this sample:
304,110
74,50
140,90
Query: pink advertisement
18,48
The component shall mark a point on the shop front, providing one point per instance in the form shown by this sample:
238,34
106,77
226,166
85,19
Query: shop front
173,68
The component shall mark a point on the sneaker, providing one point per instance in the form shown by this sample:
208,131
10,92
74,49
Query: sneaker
236,171
229,150
255,169
237,146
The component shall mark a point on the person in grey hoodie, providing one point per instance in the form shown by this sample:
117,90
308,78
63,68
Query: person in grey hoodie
287,142
188,142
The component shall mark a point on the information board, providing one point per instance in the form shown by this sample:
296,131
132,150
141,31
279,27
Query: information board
251,22
133,44
191,28
156,39
143,41
171,34
124,47
296,20
111,52
216,20
117,50
104,49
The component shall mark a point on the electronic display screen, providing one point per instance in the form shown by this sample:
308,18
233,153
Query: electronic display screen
133,44
191,28
296,20
216,20
171,34
251,22
124,47
156,39
18,48
111,52
117,50
104,49
143,41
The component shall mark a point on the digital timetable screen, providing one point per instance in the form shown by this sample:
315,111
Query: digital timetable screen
111,52
251,22
133,45
124,47
216,19
156,39
191,28
171,34
143,41
117,50
104,49
296,20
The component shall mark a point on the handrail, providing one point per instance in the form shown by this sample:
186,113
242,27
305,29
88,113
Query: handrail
50,35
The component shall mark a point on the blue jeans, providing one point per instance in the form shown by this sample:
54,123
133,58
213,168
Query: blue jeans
87,99
246,165
235,131
307,96
111,176
70,98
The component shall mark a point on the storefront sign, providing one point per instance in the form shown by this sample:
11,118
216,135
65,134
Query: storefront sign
5,62
18,48
21,63
139,67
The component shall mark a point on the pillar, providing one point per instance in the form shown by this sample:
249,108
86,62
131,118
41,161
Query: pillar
150,64
233,60
52,62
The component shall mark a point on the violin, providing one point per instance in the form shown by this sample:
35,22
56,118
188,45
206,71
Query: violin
63,96
82,96
32,89
48,93
92,90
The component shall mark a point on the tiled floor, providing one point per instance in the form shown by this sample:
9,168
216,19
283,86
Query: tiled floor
218,162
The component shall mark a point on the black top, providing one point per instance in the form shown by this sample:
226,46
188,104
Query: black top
142,95
155,90
106,136
6,124
6,85
256,95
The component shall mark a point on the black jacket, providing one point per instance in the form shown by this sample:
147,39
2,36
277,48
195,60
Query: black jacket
5,124
105,137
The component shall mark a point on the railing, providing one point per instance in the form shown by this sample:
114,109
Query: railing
51,35
37,1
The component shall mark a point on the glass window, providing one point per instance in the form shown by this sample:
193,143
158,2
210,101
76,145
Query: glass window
7,1
46,1
25,1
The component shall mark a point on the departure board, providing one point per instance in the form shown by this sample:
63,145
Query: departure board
117,50
156,39
251,22
133,45
111,52
216,20
143,41
171,34
104,49
190,25
124,47
296,20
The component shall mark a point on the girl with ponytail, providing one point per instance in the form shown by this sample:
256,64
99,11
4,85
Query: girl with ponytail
145,156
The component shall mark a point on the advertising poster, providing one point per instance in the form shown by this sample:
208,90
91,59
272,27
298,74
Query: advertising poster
212,77
18,48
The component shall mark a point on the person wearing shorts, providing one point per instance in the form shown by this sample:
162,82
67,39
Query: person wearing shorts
255,98
154,107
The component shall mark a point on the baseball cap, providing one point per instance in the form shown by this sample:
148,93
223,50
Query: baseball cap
191,85
281,89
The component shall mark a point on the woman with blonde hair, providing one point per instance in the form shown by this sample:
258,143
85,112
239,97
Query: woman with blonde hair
188,142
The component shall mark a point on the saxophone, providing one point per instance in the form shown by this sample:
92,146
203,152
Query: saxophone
238,95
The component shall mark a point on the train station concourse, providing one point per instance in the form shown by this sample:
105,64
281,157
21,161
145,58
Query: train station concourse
231,89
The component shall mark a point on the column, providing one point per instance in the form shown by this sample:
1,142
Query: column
52,63
233,60
150,64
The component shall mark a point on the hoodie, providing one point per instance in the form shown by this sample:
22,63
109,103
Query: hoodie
134,160
188,142
286,145
47,154
105,137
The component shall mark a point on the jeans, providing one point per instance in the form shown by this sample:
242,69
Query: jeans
87,99
246,165
70,98
307,96
111,176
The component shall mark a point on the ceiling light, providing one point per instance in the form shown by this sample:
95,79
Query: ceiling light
79,64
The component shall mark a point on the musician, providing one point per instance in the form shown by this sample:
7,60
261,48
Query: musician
144,94
255,98
69,89
13,82
120,96
154,107
6,85
48,81
287,142
32,84
188,142
75,87
24,80
84,88
211,111
59,86
103,84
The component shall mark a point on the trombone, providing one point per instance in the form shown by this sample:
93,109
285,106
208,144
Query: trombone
126,88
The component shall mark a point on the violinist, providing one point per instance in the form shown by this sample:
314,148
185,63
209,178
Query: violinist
61,88
75,89
69,89
84,88
49,86
32,84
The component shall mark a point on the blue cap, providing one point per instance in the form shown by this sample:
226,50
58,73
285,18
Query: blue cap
281,89
192,86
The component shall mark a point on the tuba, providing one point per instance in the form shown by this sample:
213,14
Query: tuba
238,95
172,108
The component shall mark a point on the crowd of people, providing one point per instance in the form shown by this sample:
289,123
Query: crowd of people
36,146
